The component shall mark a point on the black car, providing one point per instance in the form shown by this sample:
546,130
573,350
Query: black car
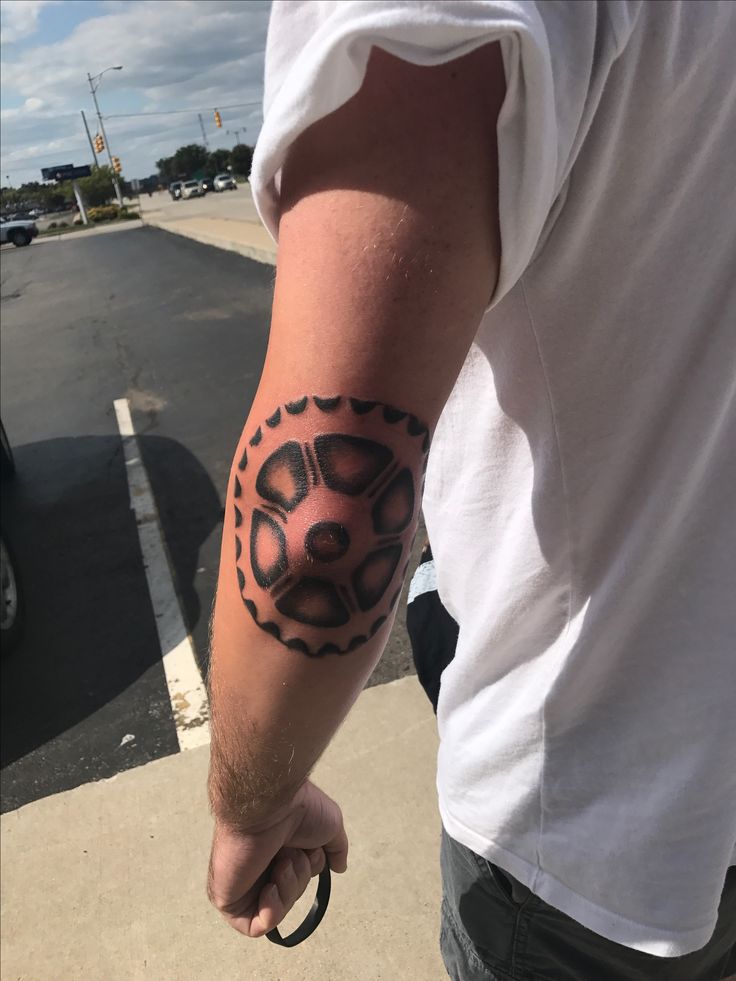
208,184
11,594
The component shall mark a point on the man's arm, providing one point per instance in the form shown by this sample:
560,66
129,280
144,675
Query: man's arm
388,255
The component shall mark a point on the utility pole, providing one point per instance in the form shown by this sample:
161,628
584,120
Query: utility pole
204,135
80,203
86,128
115,184
236,133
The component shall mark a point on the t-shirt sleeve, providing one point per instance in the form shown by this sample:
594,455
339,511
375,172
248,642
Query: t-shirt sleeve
316,58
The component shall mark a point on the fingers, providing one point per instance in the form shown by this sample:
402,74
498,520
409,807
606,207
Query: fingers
323,819
317,860
337,851
289,879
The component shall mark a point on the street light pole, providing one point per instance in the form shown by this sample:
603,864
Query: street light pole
91,146
204,135
93,89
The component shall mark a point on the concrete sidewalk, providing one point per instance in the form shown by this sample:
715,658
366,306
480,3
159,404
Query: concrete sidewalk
230,223
249,239
107,880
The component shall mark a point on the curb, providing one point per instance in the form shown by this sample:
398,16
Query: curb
88,232
230,245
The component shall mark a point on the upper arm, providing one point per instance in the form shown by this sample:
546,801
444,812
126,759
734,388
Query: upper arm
388,254
388,239
387,258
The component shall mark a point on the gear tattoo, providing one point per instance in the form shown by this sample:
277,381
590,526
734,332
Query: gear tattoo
355,570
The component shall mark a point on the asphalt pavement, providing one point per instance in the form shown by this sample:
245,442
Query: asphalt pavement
179,329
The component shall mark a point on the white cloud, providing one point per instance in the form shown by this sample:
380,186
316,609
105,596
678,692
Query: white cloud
175,55
19,18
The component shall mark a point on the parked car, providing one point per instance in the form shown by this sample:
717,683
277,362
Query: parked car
11,593
175,190
225,182
208,184
192,189
18,232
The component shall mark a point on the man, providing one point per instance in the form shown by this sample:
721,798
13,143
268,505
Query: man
505,227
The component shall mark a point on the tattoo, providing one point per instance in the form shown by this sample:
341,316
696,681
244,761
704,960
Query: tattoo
327,586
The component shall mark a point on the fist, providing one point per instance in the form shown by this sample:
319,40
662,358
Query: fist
257,875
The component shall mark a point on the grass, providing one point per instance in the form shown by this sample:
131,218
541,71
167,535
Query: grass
60,231
81,228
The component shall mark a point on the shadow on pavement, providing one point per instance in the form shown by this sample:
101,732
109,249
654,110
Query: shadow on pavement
88,669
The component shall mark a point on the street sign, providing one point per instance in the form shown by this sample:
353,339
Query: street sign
65,172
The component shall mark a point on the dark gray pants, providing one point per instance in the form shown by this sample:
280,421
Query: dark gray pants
495,929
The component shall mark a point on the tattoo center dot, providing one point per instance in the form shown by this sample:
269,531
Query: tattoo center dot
327,541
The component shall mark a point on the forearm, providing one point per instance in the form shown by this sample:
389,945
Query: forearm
320,519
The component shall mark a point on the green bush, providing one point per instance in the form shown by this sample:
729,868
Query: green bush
62,224
52,224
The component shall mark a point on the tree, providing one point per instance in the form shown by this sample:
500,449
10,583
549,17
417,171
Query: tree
34,195
188,159
96,190
165,167
241,158
218,161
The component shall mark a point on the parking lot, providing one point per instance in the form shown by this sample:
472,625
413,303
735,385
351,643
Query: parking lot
236,205
179,330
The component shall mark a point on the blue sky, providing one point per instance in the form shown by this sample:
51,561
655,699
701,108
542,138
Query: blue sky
176,55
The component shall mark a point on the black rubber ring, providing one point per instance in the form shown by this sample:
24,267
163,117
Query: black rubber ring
313,918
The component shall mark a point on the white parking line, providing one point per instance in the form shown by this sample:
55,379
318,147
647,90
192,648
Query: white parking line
186,688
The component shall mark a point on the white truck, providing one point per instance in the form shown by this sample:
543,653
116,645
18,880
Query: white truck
18,232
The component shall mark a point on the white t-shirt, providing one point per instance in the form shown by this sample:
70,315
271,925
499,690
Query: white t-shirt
580,495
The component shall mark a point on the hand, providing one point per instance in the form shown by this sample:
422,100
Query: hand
253,897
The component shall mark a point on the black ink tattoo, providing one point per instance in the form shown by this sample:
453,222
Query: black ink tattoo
327,541
314,601
372,577
362,407
312,465
282,480
324,586
349,464
327,405
295,408
393,511
267,549
393,415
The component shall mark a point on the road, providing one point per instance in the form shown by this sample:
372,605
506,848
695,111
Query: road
180,330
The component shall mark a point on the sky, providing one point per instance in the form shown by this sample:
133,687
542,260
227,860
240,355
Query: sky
176,55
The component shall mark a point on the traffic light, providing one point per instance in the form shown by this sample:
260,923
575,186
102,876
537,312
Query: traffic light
218,119
99,144
116,165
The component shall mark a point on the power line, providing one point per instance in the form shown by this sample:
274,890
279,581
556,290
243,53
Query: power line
177,112
44,156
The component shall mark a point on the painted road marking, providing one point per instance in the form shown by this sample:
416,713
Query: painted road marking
186,688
